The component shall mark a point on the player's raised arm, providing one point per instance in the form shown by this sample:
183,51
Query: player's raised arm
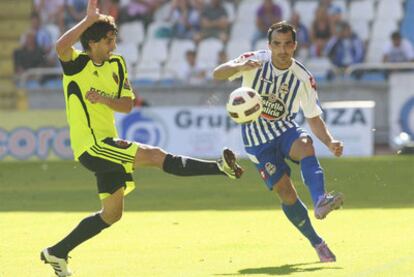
228,69
68,39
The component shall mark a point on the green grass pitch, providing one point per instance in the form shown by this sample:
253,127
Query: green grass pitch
209,226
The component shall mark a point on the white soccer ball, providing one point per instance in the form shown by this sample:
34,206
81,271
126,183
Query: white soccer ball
244,105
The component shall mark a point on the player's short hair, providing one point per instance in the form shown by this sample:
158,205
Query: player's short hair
281,27
98,31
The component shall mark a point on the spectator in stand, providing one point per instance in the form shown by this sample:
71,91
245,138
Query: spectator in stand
142,10
302,36
51,12
29,55
334,12
190,72
112,8
398,49
214,22
346,48
185,18
321,32
43,40
42,35
222,57
267,14
75,10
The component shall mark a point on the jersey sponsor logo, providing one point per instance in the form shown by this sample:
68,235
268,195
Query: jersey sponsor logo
101,92
273,107
270,168
95,73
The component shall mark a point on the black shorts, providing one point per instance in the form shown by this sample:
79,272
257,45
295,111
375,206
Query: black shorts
111,173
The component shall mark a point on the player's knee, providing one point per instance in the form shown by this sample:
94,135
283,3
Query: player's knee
307,148
111,216
150,156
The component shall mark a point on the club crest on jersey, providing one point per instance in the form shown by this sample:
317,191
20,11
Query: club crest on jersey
270,168
273,107
284,89
116,79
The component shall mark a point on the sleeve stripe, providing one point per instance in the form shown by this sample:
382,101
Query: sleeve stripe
304,68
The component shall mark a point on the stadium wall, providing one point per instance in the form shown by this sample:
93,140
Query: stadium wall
216,95
200,131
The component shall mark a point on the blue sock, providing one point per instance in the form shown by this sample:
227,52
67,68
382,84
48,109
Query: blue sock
298,215
312,175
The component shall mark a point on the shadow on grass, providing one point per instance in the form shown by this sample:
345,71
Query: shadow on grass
283,269
384,182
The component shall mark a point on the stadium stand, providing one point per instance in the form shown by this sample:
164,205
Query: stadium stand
176,56
237,46
14,20
373,20
407,26
129,51
306,9
207,52
132,32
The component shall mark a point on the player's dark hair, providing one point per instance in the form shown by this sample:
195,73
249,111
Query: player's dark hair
98,31
281,27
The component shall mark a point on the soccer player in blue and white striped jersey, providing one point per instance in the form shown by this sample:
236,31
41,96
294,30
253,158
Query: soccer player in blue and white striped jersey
285,86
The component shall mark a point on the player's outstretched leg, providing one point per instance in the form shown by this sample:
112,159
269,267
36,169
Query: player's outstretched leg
325,254
187,166
327,203
59,265
228,164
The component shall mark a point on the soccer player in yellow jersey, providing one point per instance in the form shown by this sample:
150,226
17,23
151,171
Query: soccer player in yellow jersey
96,84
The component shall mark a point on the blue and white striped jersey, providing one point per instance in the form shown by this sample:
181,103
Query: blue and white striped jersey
282,92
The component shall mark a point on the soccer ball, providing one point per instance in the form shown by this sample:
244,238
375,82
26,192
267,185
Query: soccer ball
244,105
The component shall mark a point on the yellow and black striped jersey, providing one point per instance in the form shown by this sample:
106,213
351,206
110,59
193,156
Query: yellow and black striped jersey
90,123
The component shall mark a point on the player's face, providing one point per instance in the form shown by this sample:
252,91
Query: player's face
283,47
102,49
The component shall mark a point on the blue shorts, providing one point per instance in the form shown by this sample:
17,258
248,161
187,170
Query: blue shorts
270,158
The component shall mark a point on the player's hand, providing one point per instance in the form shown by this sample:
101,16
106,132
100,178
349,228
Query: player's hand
93,97
336,147
248,65
92,12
